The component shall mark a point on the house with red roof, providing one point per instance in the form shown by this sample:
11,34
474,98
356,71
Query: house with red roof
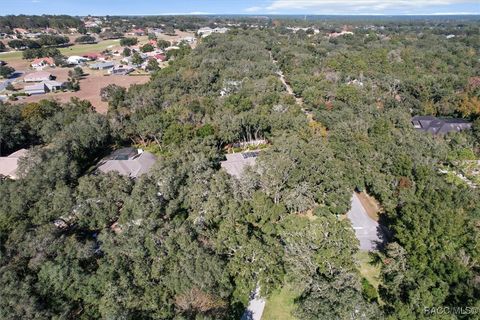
41,63
160,57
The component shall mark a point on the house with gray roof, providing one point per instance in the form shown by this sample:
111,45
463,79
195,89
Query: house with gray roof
437,126
129,162
102,65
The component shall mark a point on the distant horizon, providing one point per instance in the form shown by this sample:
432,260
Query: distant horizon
242,8
250,15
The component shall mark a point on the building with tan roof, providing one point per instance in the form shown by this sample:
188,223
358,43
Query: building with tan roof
9,164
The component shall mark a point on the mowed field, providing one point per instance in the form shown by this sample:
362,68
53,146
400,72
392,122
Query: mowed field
77,49
80,49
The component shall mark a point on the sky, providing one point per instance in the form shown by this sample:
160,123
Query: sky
252,7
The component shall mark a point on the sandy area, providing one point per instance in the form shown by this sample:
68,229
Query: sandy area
371,205
90,87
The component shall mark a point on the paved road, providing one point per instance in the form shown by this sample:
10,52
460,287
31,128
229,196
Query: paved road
255,307
367,230
13,77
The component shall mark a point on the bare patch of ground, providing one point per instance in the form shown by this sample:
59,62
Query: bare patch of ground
90,87
371,205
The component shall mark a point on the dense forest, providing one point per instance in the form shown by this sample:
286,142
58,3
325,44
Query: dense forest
189,241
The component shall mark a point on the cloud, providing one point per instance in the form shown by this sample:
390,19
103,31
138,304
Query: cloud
359,6
253,9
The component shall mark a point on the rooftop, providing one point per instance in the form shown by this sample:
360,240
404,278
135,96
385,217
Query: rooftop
9,164
438,126
128,162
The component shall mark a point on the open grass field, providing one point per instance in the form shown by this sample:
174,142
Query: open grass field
280,305
77,49
80,49
368,270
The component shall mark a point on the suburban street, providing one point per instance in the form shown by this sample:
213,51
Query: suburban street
366,229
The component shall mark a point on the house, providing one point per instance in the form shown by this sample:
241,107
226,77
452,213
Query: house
129,162
438,126
20,31
120,70
91,24
338,34
76,60
155,31
205,32
160,57
136,32
189,40
236,163
43,87
53,86
41,63
102,65
35,89
38,77
9,165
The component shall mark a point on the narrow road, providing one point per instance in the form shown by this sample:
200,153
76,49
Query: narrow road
289,89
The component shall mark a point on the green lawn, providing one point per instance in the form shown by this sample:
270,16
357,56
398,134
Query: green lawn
80,49
77,49
280,305
368,270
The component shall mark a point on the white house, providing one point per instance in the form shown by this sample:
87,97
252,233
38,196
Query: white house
41,63
205,32
76,60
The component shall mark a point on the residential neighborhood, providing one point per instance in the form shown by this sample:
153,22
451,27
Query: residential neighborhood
253,160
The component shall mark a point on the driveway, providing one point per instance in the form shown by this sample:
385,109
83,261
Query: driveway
13,77
255,307
367,230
